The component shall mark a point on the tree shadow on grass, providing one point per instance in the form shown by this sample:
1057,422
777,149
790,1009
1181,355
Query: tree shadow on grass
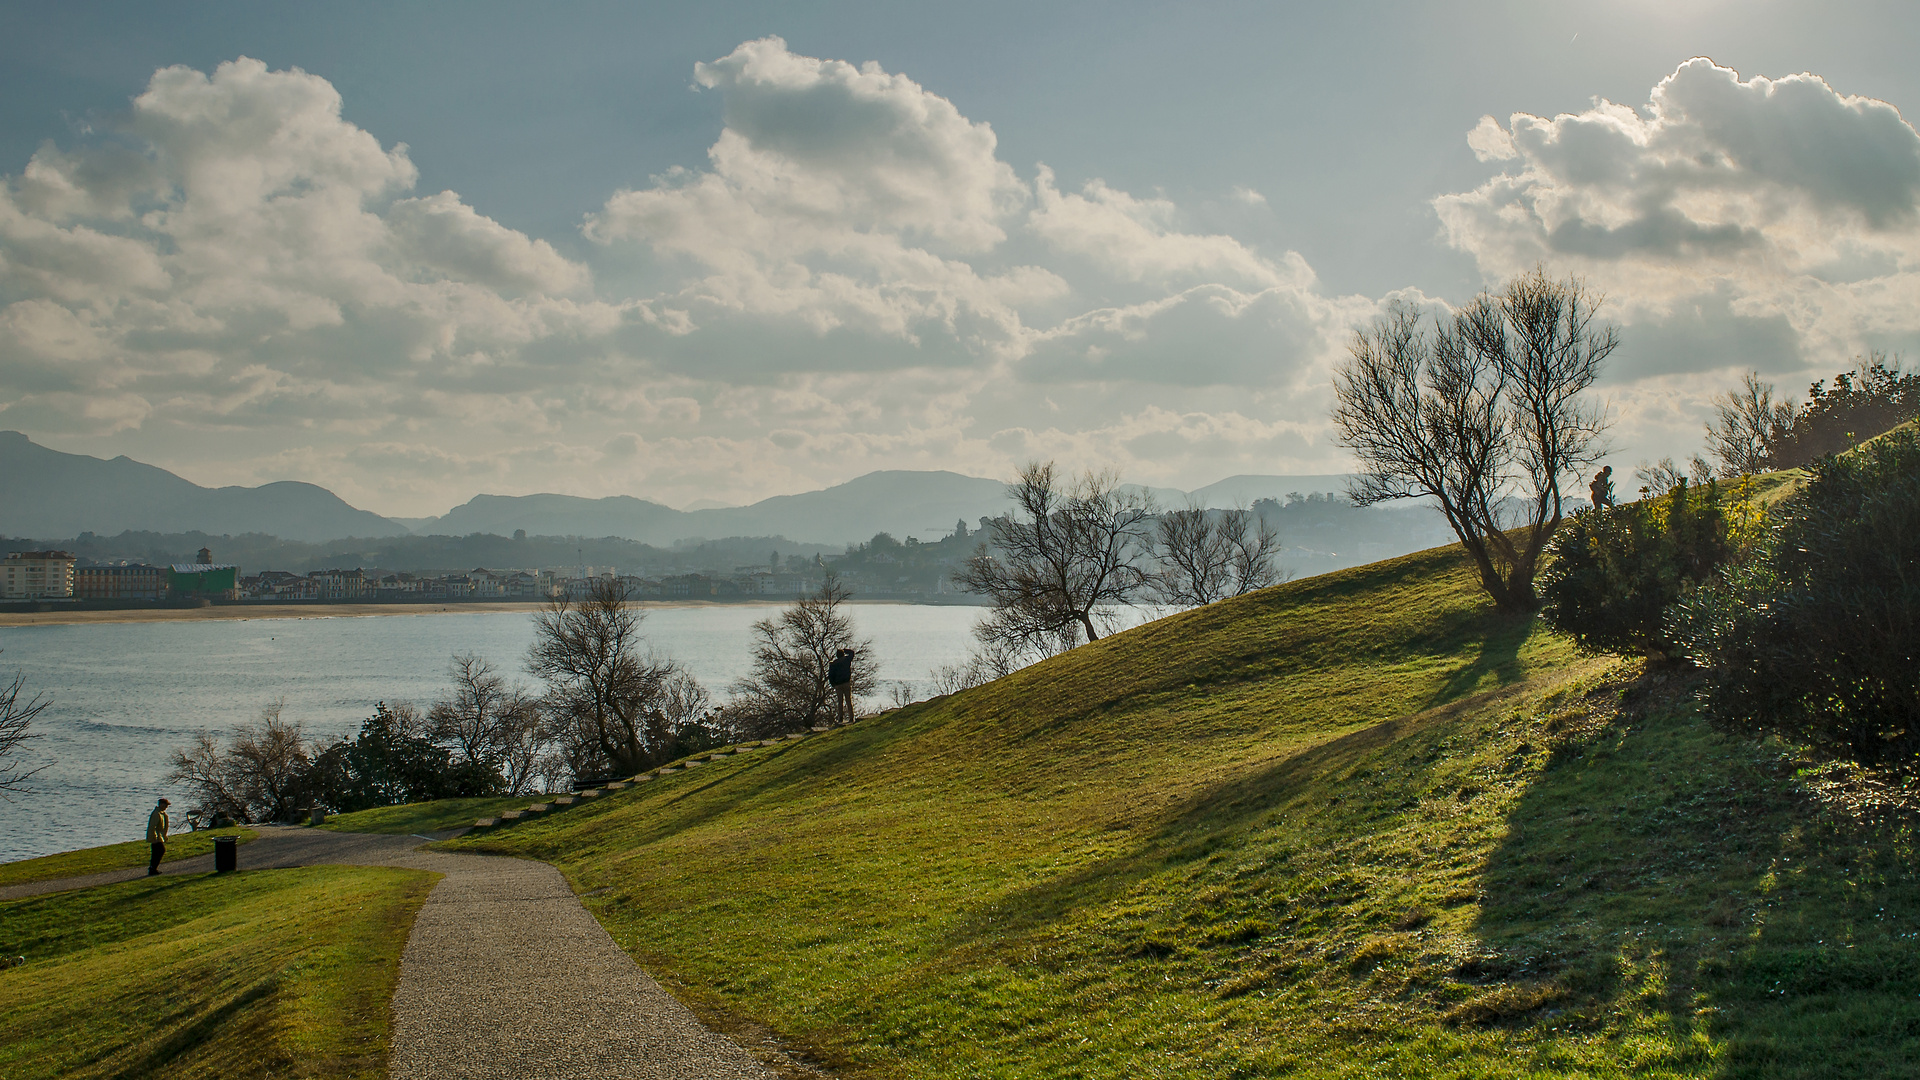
1497,654
232,1038
1651,858
1209,820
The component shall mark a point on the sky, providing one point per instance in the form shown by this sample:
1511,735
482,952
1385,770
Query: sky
706,254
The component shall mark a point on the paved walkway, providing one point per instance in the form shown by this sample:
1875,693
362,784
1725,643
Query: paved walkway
505,976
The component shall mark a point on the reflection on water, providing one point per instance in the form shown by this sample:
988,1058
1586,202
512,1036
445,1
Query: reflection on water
126,694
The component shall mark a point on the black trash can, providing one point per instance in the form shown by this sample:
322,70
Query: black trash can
226,854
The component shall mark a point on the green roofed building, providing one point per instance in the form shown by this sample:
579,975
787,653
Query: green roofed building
204,578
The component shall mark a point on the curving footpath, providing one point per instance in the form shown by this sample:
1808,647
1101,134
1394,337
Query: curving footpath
505,975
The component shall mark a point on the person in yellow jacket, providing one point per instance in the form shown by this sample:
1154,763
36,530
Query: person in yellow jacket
157,835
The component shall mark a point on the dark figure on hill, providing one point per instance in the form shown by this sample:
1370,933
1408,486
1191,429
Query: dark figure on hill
1600,492
840,677
157,836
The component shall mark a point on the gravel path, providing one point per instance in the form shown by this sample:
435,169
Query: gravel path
505,975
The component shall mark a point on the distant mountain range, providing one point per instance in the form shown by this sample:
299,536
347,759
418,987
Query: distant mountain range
45,493
922,504
48,494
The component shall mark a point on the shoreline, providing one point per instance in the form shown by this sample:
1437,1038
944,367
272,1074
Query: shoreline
242,612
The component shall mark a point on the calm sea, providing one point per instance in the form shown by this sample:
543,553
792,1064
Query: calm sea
125,695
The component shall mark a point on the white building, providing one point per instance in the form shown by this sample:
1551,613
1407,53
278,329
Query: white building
36,575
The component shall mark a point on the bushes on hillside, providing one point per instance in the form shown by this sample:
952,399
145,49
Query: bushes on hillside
392,761
267,770
1817,636
1615,570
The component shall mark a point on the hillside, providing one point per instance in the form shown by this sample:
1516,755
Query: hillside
45,493
1357,825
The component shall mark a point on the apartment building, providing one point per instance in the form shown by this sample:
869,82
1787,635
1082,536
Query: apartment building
36,575
131,582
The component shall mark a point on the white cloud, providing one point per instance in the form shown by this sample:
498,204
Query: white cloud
236,225
241,284
1490,141
1763,199
840,199
1135,239
446,235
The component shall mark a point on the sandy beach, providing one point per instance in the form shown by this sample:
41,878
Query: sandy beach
254,611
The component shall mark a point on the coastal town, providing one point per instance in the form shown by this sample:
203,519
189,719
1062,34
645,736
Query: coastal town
882,568
56,576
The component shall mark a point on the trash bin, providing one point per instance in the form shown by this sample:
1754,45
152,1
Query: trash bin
226,854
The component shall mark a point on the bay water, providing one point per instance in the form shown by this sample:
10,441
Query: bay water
125,695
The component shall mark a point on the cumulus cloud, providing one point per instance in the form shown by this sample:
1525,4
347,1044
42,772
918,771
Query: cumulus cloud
236,223
448,236
1772,202
238,282
1135,239
840,198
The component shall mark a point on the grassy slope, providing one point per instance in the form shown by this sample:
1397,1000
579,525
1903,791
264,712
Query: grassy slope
425,817
1354,825
255,974
94,860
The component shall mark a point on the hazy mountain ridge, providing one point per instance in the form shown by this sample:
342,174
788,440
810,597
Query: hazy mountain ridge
898,502
904,503
45,492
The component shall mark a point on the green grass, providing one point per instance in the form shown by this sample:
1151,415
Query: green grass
1358,825
423,817
96,860
254,974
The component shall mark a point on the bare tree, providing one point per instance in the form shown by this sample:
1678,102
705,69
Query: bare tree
257,776
16,730
1749,427
1207,555
523,739
488,722
1752,432
1664,475
787,688
1062,563
606,691
991,660
1483,414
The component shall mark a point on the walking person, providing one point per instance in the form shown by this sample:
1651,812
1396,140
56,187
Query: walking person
840,677
157,835
1600,492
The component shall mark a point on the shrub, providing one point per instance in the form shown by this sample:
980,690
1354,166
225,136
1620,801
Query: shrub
1817,636
392,761
1616,569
